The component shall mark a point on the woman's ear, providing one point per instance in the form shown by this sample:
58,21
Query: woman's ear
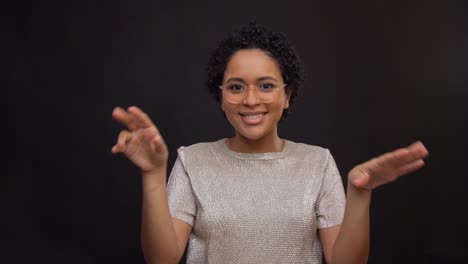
286,103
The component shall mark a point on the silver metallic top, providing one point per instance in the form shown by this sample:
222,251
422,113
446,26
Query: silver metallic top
255,207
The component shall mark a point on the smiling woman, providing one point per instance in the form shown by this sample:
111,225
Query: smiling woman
255,120
254,197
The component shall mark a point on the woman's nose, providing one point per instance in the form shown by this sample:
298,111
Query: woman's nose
251,96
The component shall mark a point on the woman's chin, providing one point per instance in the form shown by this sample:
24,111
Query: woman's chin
251,134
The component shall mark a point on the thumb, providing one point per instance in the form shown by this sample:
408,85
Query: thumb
158,144
359,182
361,177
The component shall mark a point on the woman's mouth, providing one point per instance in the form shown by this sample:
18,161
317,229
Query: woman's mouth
252,118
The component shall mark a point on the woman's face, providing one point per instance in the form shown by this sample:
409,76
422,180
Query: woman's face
251,116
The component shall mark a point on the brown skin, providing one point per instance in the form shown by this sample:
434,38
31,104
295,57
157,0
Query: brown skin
351,240
164,238
251,66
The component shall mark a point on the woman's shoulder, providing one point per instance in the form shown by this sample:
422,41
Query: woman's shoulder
200,149
310,155
308,149
199,146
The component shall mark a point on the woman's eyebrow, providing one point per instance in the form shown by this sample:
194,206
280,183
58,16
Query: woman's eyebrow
263,78
235,79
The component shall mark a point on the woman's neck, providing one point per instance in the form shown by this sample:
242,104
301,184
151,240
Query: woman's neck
270,143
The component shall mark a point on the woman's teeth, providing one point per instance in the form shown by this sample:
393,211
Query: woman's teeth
253,116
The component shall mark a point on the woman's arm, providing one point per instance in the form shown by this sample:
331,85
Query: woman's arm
163,238
349,243
352,237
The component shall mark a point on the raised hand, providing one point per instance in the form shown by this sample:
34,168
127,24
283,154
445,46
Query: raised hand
388,167
141,142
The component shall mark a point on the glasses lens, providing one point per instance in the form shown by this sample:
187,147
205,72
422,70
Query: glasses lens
236,92
267,92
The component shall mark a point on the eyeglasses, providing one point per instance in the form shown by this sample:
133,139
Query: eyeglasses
235,92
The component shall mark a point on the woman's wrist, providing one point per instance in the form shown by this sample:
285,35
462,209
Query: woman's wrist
357,191
154,180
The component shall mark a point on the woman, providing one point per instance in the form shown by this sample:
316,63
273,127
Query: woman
254,197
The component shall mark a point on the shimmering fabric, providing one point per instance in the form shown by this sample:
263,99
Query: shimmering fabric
255,208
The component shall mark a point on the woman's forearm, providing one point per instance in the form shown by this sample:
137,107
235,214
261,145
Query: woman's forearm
158,237
352,243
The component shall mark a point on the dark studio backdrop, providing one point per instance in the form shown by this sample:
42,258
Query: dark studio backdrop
380,75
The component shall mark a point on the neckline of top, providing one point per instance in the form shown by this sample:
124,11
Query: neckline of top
288,146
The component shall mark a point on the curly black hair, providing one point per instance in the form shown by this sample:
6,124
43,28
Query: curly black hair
254,36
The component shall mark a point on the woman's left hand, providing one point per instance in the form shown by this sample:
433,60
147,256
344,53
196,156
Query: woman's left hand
388,167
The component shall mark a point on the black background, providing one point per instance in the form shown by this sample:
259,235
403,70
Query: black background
380,75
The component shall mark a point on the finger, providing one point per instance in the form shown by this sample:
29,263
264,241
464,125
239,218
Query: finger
141,117
404,156
158,144
411,167
410,154
362,181
125,118
418,150
395,158
123,139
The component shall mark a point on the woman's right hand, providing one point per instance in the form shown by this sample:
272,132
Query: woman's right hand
141,142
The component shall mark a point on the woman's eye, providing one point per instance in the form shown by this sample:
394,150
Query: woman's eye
267,86
235,87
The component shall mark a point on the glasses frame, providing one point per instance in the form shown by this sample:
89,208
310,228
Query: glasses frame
246,86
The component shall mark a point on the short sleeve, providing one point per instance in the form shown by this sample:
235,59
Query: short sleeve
331,201
180,194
